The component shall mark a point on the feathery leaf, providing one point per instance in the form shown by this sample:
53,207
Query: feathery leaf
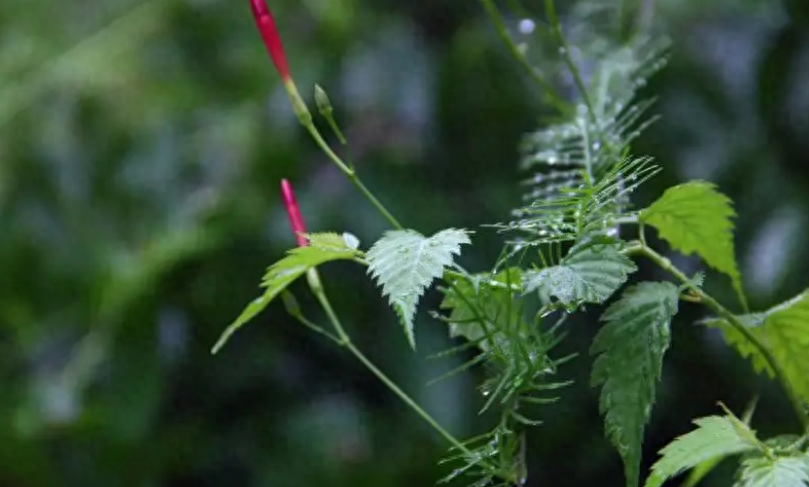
485,325
695,217
405,263
631,347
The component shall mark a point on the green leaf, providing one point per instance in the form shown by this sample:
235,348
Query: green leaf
631,347
493,303
715,438
761,470
591,272
704,468
322,248
405,263
784,331
695,217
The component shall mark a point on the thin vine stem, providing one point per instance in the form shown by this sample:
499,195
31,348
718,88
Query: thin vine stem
345,341
556,27
737,324
500,26
350,174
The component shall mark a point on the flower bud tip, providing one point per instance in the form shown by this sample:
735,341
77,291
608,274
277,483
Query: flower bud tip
294,213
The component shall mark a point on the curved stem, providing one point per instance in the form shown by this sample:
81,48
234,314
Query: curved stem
345,341
737,324
550,10
502,31
351,174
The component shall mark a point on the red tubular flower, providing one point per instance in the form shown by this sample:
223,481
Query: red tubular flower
294,212
272,41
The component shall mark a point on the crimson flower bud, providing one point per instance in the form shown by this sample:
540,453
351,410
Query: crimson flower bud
294,213
272,41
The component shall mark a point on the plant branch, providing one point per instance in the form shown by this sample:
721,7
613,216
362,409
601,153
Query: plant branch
551,96
556,27
736,323
345,341
350,174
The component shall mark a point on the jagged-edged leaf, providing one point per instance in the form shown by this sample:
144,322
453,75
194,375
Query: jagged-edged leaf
479,309
784,331
716,437
630,349
760,470
322,248
695,217
405,263
699,471
591,272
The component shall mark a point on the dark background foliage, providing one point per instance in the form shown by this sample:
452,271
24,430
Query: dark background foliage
141,145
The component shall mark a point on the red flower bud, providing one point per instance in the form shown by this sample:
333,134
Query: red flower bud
272,41
294,212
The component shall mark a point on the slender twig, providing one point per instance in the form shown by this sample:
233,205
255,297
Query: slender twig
345,341
737,324
497,20
351,174
556,26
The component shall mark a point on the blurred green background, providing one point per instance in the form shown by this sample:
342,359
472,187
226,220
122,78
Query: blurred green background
141,146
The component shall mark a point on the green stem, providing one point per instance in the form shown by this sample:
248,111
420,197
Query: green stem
502,31
550,10
737,324
351,174
345,341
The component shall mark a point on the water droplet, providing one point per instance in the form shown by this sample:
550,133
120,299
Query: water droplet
527,26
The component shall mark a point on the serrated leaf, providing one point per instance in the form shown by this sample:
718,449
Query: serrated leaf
784,331
322,248
782,471
591,272
630,349
405,263
716,437
493,302
695,217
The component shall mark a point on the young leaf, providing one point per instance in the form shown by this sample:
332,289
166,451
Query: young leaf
695,217
716,437
784,331
631,347
591,272
699,471
322,248
405,263
761,470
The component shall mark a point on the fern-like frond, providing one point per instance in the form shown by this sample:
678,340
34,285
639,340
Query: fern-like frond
586,208
494,459
585,158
